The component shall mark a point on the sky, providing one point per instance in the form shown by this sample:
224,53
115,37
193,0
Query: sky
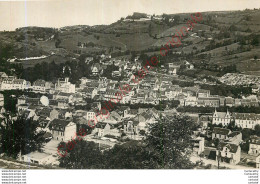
59,13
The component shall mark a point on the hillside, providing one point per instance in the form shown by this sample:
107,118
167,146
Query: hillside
222,39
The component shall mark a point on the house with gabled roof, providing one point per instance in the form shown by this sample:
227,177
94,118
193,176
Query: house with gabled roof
205,120
223,118
228,152
229,101
209,101
89,92
62,130
220,133
41,85
63,85
3,75
48,112
130,127
102,129
96,69
202,93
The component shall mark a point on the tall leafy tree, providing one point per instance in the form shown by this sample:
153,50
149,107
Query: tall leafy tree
80,154
131,155
20,135
169,140
257,130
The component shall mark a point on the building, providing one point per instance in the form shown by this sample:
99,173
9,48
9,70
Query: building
223,118
173,69
131,127
39,158
103,129
228,152
229,101
205,120
7,84
235,137
1,100
208,102
62,130
96,69
254,145
191,101
198,145
91,115
246,120
21,84
220,133
202,93
41,85
257,160
116,74
89,92
3,75
63,85
12,83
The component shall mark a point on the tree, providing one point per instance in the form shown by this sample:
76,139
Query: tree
142,132
20,135
169,140
257,130
177,19
80,155
245,146
57,43
255,40
246,133
131,155
216,142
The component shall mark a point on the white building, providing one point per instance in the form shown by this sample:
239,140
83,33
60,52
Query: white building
7,84
1,100
254,145
246,120
12,83
39,158
65,86
63,130
41,85
221,117
229,153
21,84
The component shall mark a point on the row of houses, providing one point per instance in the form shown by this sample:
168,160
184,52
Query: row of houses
41,86
207,100
243,120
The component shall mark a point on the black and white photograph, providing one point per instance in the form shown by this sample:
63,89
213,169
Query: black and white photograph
129,85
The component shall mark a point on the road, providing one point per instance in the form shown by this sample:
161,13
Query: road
6,164
215,163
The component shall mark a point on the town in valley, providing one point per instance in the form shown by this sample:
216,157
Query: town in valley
198,108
